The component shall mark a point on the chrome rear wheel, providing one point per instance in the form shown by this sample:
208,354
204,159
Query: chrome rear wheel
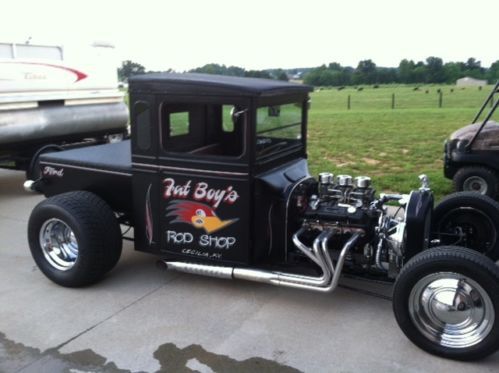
74,238
59,244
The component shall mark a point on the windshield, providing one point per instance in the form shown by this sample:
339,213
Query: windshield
278,128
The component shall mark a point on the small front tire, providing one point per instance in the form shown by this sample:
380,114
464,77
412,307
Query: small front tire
446,301
469,220
74,238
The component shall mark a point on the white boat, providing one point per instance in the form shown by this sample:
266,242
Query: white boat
54,94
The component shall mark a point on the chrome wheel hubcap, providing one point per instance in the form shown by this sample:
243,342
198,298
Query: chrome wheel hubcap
475,184
451,310
59,244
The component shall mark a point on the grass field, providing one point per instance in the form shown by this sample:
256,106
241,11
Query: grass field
391,146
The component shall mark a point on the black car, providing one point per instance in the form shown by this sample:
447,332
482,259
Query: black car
215,182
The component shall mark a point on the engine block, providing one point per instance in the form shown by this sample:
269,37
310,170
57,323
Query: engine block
345,206
342,202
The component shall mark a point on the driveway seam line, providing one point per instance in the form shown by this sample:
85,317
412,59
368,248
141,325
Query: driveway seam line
61,345
114,314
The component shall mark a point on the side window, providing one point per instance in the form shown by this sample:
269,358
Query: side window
179,123
35,51
227,122
142,123
202,129
182,127
6,50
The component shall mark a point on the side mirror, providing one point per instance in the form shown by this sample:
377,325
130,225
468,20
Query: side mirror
235,113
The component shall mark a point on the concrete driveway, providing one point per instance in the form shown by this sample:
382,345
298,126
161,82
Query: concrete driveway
143,319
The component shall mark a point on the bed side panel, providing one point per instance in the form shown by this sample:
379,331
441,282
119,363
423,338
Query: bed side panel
112,186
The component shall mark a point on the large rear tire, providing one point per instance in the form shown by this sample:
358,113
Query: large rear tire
446,301
74,238
469,220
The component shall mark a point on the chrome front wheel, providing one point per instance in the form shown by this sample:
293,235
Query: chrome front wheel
451,310
446,301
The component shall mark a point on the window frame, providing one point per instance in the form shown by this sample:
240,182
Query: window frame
163,151
298,147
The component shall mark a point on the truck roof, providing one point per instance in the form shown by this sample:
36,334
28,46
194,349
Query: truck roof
213,85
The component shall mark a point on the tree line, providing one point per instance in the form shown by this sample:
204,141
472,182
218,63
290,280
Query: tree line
214,68
432,70
129,68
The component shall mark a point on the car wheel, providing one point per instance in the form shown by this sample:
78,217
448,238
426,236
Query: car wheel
446,301
477,179
469,220
74,238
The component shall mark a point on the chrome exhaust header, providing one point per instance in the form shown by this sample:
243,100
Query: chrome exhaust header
319,254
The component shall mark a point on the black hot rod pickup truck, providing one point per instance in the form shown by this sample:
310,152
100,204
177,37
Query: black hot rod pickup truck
215,182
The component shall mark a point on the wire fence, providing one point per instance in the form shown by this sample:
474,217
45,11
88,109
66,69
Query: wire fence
402,97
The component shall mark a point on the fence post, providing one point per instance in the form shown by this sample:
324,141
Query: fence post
393,100
348,102
440,99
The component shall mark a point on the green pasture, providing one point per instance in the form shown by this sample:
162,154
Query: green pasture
391,146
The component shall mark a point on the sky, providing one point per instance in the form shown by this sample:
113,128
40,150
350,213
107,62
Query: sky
260,34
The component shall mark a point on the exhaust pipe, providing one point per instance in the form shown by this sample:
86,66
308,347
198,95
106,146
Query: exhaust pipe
28,186
201,269
33,186
319,254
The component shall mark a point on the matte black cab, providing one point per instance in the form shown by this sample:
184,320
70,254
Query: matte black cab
213,160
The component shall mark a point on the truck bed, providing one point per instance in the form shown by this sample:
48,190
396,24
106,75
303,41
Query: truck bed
114,157
105,170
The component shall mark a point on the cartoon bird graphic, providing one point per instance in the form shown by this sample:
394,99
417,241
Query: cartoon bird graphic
197,214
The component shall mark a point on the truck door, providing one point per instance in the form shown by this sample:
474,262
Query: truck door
204,183
204,216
